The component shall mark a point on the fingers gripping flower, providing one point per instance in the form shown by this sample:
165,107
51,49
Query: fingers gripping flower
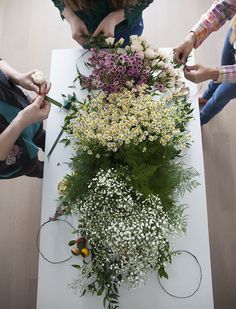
39,79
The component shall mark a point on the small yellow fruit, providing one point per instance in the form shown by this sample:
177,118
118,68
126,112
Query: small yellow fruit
85,252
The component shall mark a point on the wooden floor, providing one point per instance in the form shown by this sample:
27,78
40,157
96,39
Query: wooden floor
29,30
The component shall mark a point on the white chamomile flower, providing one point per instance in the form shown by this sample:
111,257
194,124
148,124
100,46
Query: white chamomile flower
38,77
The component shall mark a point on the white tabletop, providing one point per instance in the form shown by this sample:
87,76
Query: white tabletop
53,291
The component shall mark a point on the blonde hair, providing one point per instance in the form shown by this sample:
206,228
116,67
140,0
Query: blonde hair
83,5
232,38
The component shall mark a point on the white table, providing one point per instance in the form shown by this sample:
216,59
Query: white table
53,291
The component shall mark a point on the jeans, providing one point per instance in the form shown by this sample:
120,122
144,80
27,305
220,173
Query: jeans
219,94
136,30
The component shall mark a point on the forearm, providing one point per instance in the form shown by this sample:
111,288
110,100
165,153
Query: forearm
213,19
9,71
119,15
9,136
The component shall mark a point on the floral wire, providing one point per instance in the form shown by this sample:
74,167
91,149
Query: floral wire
77,68
199,283
55,143
62,130
51,219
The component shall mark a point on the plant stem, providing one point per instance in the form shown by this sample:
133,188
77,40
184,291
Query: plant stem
47,98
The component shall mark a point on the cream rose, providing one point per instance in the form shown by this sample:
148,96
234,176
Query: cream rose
110,40
39,77
121,41
136,47
150,53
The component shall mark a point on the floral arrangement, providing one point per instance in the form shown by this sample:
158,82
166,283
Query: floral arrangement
127,173
137,64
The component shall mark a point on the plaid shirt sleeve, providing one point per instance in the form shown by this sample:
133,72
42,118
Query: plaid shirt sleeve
213,19
227,74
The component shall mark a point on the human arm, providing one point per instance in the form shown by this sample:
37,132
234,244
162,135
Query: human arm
198,73
22,79
222,74
212,20
108,24
36,111
78,27
128,13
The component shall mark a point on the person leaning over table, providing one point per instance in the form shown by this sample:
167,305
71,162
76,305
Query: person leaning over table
21,131
216,97
113,18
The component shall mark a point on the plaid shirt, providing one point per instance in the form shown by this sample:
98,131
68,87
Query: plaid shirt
227,74
213,19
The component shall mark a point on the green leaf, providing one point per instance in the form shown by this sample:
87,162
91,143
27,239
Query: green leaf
99,292
76,266
163,273
72,243
115,288
104,301
84,292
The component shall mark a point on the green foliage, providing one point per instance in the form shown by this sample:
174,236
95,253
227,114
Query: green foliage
153,171
95,42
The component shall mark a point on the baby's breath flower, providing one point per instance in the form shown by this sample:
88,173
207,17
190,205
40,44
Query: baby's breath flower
127,231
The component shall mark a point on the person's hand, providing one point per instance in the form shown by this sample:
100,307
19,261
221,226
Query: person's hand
78,29
108,24
26,81
182,52
198,73
37,111
45,88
